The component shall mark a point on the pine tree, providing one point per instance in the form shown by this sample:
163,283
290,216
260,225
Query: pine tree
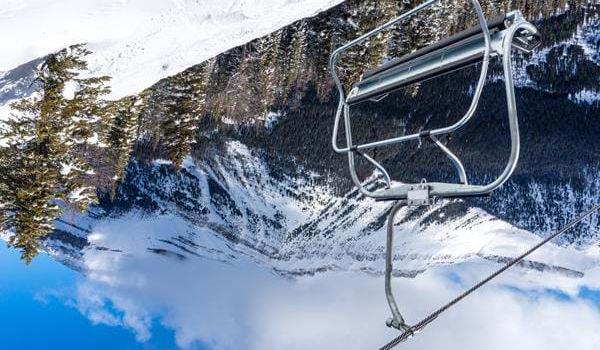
371,53
185,104
121,135
270,59
244,92
27,188
296,58
224,67
43,164
320,43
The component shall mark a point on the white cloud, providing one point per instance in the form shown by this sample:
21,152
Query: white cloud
247,307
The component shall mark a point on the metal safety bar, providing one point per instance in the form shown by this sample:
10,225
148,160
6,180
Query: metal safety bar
483,45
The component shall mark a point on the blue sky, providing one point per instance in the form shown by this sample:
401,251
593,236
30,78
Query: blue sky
34,316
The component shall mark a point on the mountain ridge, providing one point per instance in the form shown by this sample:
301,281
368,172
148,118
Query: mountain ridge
294,149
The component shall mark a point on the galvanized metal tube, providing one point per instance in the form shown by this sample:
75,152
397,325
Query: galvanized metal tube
462,174
397,319
336,125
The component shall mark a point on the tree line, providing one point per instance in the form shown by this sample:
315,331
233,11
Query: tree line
67,142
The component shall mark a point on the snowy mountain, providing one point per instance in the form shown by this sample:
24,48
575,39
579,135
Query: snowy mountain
274,193
229,208
259,211
139,42
222,225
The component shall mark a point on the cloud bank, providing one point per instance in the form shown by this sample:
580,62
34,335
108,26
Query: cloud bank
247,307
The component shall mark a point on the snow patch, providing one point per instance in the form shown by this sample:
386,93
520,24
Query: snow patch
271,119
585,96
139,42
162,162
71,87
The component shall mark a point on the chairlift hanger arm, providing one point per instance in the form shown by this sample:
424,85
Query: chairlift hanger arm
496,38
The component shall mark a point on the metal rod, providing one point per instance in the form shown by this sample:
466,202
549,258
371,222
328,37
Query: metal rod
336,126
397,321
462,174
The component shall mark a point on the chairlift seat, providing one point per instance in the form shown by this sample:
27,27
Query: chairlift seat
436,189
453,53
495,38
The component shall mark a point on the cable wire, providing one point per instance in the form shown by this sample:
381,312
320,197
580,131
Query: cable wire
427,320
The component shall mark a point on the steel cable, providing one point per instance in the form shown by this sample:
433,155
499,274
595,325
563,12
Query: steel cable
427,320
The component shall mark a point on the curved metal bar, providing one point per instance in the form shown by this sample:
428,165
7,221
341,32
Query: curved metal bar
380,167
462,174
397,321
511,102
336,125
343,107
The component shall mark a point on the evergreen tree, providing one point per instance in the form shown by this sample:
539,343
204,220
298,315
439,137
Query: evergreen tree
371,53
320,43
271,57
296,57
44,164
184,107
121,136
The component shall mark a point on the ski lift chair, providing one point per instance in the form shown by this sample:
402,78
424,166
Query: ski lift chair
488,40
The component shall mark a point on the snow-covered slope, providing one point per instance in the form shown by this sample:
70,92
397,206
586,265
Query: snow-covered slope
138,42
230,209
291,224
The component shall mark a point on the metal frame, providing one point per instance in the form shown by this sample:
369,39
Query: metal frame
425,193
502,46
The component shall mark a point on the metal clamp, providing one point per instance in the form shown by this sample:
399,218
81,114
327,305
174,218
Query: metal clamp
418,195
